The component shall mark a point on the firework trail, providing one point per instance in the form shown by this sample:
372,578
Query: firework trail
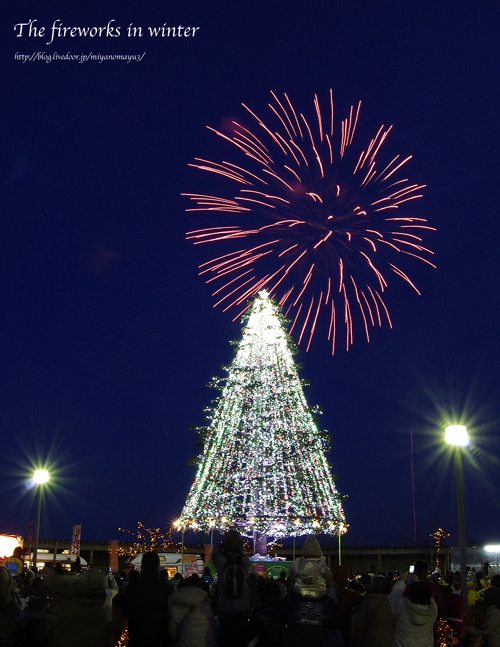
319,224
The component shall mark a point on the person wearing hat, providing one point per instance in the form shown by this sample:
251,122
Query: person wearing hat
491,627
415,614
308,613
420,572
309,574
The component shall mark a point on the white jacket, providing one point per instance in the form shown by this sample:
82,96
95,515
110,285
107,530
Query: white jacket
190,618
414,622
491,627
308,578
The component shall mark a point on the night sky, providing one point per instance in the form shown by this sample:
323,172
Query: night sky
108,333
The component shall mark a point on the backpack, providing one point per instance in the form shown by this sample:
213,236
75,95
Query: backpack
233,577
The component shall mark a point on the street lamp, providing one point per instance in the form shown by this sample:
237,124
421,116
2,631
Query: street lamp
457,435
181,527
39,477
341,531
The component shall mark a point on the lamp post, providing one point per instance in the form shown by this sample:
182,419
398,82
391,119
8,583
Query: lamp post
341,531
297,523
211,524
457,435
39,477
180,527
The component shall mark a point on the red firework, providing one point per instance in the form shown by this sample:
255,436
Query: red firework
323,224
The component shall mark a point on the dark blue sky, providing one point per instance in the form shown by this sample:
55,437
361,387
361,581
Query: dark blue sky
108,334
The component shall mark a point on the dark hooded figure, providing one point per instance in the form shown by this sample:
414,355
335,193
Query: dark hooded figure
491,627
374,622
233,605
144,603
308,612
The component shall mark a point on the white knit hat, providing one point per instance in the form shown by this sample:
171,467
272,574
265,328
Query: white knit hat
312,547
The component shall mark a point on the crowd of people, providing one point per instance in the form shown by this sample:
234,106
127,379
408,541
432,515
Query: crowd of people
309,605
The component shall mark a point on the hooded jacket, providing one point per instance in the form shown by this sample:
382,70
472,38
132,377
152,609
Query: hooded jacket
145,605
190,618
414,622
308,621
491,627
374,622
308,577
225,605
472,594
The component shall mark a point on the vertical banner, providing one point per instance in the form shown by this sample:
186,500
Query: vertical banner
190,565
208,555
28,549
113,556
75,541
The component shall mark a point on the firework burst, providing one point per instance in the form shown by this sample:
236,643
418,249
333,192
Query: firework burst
319,226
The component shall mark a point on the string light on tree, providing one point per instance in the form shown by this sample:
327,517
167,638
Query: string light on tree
147,539
438,537
263,468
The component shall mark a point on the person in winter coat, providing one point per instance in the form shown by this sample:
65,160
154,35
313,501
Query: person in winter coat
144,604
15,563
309,574
472,594
421,571
308,612
491,627
76,603
191,617
269,632
345,598
374,621
233,607
415,614
10,608
207,576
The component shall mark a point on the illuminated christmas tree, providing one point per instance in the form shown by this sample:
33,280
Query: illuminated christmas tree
263,469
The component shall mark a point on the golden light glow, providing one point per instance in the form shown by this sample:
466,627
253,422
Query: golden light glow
147,539
343,528
8,543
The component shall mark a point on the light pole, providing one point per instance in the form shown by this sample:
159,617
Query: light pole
457,435
39,477
180,527
341,531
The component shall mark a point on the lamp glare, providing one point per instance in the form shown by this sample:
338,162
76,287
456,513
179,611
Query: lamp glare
41,476
456,435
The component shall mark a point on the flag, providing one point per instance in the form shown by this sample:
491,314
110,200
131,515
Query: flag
75,541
